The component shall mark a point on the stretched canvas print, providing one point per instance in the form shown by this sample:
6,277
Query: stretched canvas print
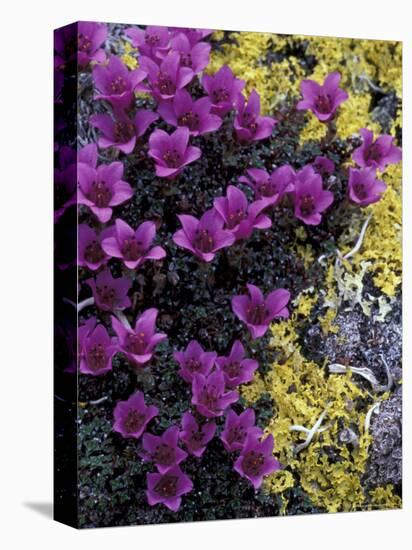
227,274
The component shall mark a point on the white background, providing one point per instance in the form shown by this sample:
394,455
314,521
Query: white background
26,271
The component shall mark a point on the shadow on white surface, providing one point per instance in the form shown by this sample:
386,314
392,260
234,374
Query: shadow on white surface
45,509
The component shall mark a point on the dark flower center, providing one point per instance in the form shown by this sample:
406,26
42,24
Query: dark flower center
220,95
360,190
209,398
185,59
233,369
166,486
249,121
134,421
257,314
123,131
193,365
132,249
237,434
118,85
84,44
100,194
236,217
96,357
107,295
252,463
172,158
267,189
136,343
323,104
93,252
152,39
164,454
190,119
203,241
373,152
165,84
307,205
197,437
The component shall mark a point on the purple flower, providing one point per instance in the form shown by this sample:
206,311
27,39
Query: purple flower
133,247
378,153
364,188
163,450
90,252
248,123
172,153
167,77
149,41
110,294
167,488
96,349
194,359
239,216
90,36
102,188
235,367
132,416
183,110
270,188
64,181
138,344
323,166
322,99
116,84
196,436
193,35
119,131
88,155
223,89
209,395
192,56
257,312
310,198
237,428
256,459
203,237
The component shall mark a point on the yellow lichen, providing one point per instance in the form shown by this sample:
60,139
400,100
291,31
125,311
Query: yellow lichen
382,498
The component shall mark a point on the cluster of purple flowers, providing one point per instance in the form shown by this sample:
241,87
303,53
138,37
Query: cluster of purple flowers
170,60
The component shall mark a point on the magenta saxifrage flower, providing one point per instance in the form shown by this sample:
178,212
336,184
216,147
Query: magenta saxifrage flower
203,237
196,436
193,35
88,155
168,487
256,459
132,416
163,450
133,247
166,77
223,89
270,188
138,344
102,188
119,131
89,250
149,41
209,394
110,294
96,349
183,110
172,153
236,368
257,312
116,84
322,99
310,198
194,57
194,359
249,124
323,166
239,216
363,186
90,38
237,428
378,153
